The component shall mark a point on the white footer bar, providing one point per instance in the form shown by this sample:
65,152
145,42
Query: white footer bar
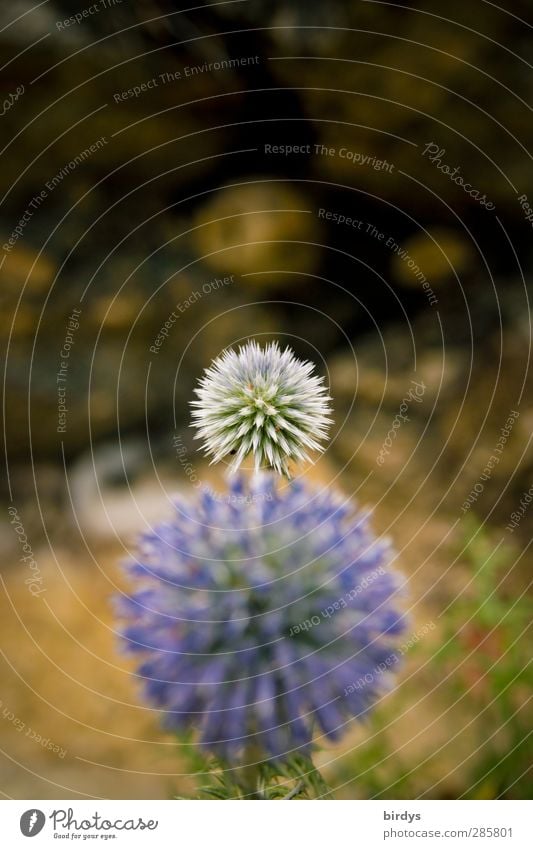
267,825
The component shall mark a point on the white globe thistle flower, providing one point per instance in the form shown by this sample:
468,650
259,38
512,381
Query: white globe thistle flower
261,401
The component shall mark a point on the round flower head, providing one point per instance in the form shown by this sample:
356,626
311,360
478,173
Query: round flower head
261,401
263,618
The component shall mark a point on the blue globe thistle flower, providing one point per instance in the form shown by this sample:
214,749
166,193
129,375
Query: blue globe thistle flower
263,618
261,401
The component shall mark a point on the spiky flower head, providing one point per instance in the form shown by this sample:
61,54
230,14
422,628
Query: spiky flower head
263,617
261,401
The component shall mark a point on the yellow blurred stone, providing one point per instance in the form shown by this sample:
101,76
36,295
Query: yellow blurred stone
117,311
23,270
259,227
439,258
22,266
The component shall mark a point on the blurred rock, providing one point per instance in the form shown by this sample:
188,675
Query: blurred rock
383,368
95,106
390,80
363,436
115,493
441,254
23,27
258,227
471,423
24,266
23,270
109,368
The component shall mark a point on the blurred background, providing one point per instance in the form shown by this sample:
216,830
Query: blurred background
350,178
